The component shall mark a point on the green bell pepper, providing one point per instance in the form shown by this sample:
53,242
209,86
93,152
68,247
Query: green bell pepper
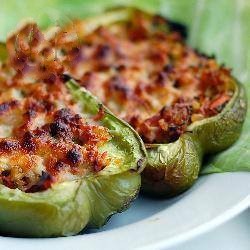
172,168
68,207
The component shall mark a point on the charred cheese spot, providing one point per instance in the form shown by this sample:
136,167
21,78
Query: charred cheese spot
44,183
28,143
6,106
74,156
59,129
8,145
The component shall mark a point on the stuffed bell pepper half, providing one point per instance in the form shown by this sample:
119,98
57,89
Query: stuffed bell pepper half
66,162
182,103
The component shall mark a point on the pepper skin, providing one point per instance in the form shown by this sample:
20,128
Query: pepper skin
173,168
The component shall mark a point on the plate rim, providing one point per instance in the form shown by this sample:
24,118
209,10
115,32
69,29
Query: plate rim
201,229
162,242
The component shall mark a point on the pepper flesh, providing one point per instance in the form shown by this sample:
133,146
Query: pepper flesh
68,207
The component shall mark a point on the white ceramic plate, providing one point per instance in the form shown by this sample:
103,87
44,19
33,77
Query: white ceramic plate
157,224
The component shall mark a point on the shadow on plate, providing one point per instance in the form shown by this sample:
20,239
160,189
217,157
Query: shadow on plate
143,207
